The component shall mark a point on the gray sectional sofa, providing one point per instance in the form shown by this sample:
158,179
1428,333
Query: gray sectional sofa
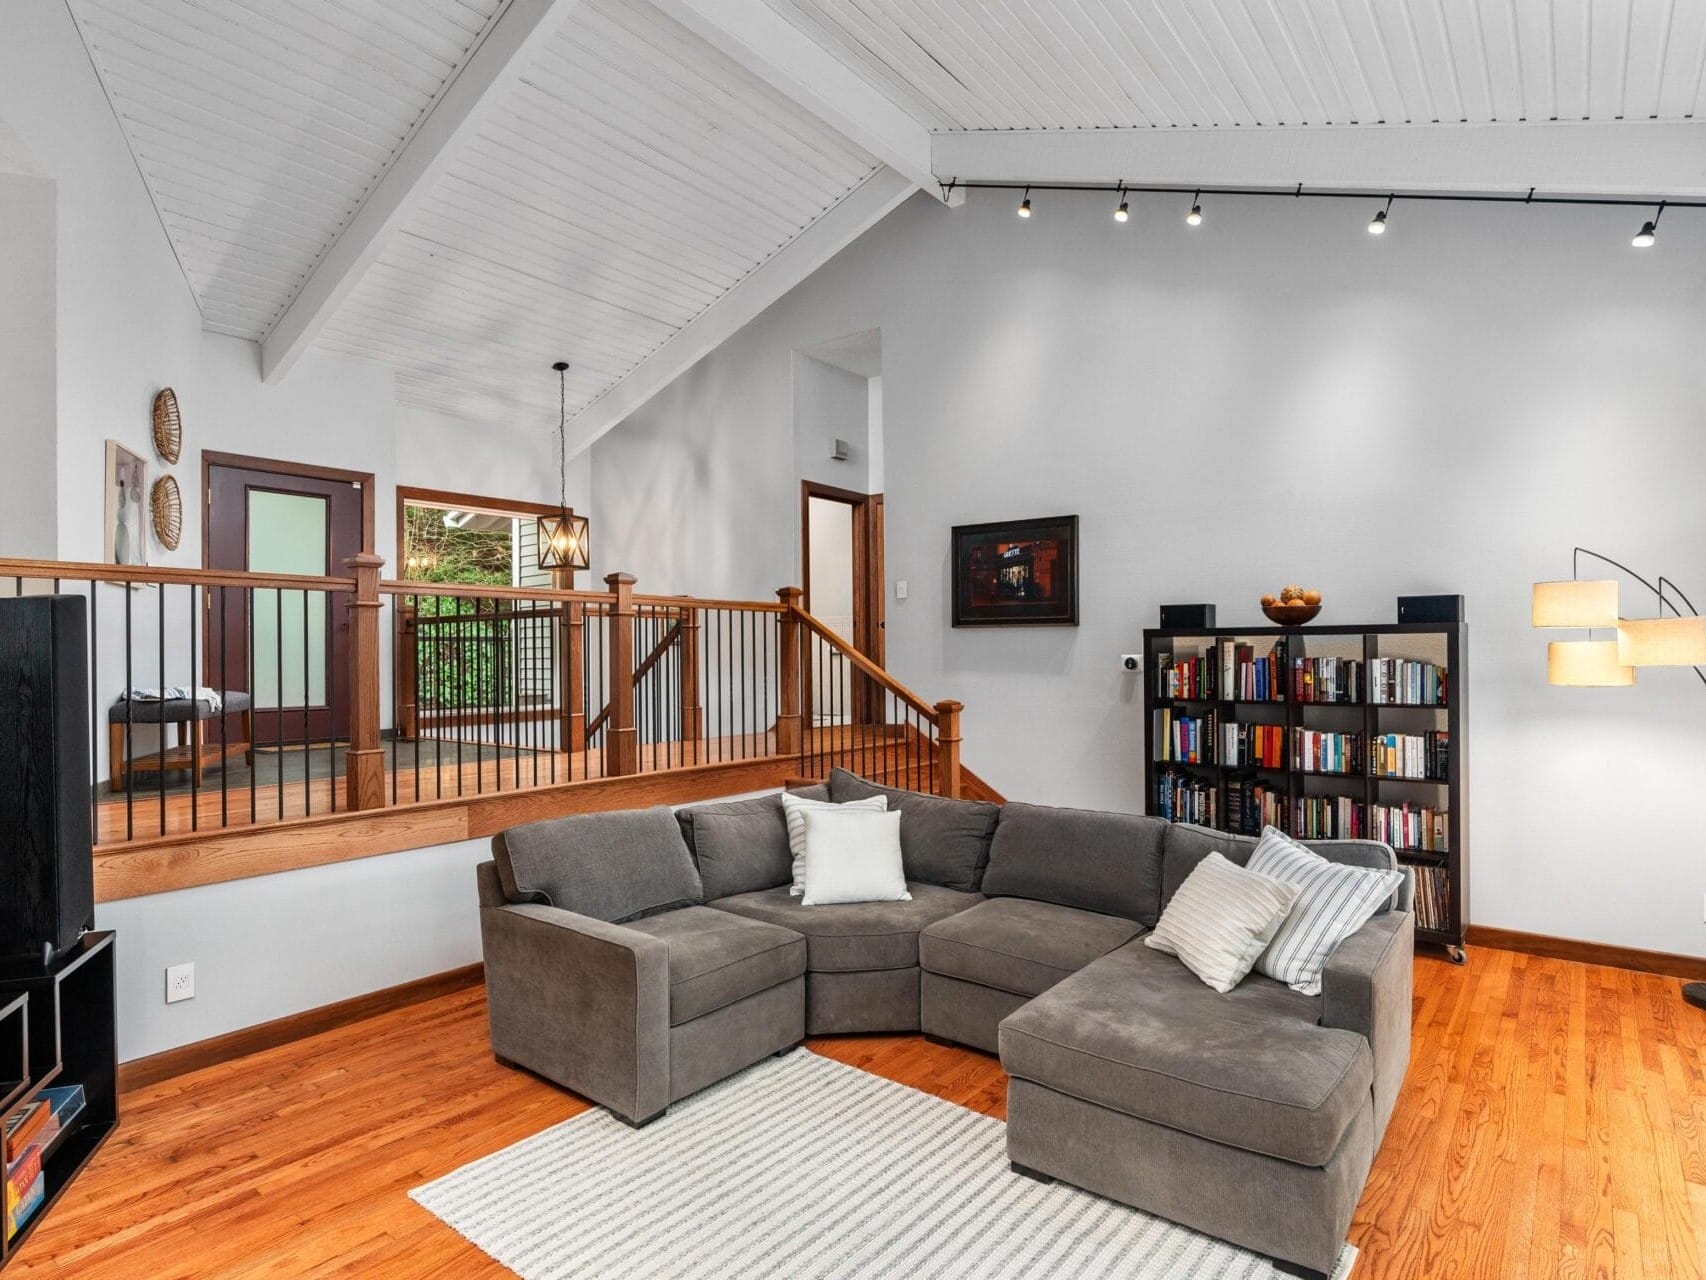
638,957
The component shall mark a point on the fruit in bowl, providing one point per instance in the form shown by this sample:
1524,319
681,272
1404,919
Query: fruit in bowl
1293,606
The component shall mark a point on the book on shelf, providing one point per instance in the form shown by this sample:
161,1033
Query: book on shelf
1433,898
25,1125
1399,682
1417,757
1252,805
1182,739
1246,678
1262,745
1326,680
1316,751
1183,797
1189,679
1327,818
1411,827
25,1189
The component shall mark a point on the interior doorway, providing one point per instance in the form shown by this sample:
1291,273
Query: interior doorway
842,560
288,650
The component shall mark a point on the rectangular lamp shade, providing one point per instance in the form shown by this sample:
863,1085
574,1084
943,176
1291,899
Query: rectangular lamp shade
563,541
1582,605
1586,664
1662,642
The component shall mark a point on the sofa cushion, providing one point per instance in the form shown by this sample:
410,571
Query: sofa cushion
1104,862
610,866
716,958
1184,845
739,852
755,807
1020,945
1135,1031
855,936
944,841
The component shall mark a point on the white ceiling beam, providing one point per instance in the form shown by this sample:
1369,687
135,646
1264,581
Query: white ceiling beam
844,223
768,46
1634,157
508,47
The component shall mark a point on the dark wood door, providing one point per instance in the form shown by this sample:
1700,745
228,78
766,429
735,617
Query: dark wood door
288,650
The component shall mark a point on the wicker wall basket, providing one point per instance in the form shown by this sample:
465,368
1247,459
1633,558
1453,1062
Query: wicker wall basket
168,427
166,505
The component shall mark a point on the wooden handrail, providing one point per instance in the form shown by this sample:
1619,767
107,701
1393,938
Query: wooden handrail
480,591
152,575
868,668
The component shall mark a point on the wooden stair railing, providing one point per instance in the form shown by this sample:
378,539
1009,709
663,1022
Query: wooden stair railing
889,713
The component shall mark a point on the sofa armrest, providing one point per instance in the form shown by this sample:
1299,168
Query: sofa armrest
1366,988
580,1001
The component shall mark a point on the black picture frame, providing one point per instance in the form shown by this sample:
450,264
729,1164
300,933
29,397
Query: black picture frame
1016,573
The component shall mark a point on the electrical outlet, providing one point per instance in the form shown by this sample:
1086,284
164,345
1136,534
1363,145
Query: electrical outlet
180,982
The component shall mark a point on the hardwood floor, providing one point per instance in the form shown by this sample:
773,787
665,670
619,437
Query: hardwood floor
1553,1124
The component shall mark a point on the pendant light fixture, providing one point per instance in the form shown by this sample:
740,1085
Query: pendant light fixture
563,535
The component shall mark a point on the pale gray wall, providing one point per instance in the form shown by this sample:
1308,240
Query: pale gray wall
1272,397
27,365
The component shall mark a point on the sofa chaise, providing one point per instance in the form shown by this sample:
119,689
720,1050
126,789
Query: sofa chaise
637,957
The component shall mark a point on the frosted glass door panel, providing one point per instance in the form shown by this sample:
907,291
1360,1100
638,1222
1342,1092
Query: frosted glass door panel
288,533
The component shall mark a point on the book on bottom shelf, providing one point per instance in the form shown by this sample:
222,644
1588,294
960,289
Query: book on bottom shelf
1433,898
25,1189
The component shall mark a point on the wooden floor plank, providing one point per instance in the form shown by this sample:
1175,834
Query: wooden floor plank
1551,1125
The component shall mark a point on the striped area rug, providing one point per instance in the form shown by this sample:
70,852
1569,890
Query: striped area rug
804,1167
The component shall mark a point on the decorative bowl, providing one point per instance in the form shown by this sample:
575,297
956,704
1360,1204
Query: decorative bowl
1291,615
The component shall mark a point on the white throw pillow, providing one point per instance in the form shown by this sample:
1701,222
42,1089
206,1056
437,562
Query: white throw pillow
1221,919
852,855
793,806
1333,902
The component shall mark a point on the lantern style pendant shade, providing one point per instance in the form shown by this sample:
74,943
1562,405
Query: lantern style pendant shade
1581,605
563,540
1586,664
1662,642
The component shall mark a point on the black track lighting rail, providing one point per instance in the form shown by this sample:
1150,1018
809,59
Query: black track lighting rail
1300,192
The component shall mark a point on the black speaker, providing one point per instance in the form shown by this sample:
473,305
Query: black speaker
47,871
1183,616
1430,608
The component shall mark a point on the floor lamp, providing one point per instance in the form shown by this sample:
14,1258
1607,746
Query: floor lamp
1591,604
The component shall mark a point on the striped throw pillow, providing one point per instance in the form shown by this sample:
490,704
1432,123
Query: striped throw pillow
793,806
1333,902
1221,919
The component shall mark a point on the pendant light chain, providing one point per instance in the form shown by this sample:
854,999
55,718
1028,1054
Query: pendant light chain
562,438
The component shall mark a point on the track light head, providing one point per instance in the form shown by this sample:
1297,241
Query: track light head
1377,224
1025,204
1645,237
1123,212
1194,217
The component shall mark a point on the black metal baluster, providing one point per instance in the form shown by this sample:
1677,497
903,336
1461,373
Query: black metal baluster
278,688
249,679
160,616
330,677
307,715
95,712
196,736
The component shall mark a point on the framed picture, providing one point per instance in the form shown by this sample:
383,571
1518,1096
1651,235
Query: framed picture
126,535
1016,572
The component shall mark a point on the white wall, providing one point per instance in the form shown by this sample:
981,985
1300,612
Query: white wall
126,326
1272,397
27,366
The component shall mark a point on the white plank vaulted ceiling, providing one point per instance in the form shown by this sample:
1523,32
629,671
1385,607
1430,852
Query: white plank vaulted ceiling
629,174
1099,64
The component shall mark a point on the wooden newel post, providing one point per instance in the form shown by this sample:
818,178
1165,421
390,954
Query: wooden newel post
364,761
621,750
788,737
571,655
692,709
948,747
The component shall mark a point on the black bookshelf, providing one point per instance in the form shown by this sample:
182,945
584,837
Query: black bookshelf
57,1028
1441,644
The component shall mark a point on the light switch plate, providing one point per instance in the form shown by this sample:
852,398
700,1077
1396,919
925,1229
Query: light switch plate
900,589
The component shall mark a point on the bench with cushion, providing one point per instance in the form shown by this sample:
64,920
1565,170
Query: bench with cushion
638,957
